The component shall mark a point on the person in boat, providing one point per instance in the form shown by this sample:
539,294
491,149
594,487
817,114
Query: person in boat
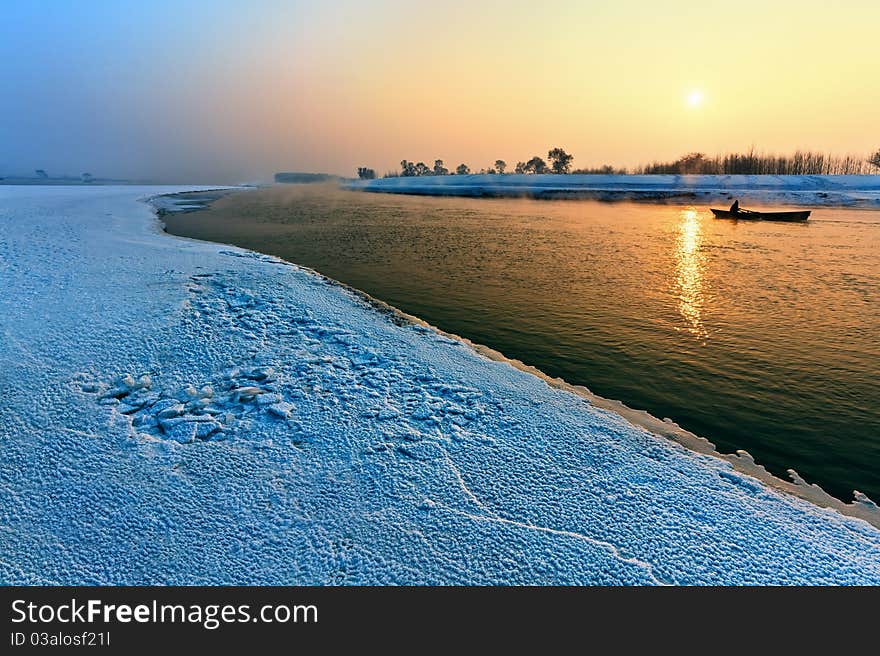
735,207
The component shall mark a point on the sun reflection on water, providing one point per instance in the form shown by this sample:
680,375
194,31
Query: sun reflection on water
689,265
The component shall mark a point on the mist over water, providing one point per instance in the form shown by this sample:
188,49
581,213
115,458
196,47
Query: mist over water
759,336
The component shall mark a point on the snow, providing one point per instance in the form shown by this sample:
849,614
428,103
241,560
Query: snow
814,190
182,412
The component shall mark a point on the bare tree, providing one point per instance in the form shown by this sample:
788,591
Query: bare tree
691,163
536,165
560,160
874,160
500,165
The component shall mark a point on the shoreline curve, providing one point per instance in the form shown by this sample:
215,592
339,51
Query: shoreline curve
862,507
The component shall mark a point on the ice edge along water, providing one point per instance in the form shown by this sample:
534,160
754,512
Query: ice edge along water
812,190
862,506
184,412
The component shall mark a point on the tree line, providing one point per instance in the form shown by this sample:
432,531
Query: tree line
559,162
750,163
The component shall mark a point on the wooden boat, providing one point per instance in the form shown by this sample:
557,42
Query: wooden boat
749,215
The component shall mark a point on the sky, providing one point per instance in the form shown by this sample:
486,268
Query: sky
222,91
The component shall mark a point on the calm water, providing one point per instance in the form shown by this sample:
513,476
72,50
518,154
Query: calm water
759,336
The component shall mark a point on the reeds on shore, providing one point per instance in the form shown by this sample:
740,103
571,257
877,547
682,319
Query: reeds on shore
801,162
753,163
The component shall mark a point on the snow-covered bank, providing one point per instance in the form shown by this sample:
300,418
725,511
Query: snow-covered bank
816,190
183,412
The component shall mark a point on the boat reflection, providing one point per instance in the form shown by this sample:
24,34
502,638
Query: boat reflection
689,263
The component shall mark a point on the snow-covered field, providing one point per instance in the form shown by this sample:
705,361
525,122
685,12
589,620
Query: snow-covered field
815,190
182,412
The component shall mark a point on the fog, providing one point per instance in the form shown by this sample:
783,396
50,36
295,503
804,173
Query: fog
142,91
226,91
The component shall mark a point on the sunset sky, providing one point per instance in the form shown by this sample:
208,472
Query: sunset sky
231,91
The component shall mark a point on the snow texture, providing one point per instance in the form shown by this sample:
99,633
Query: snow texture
813,190
178,412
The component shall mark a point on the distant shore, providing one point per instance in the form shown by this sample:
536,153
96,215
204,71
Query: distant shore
812,190
64,182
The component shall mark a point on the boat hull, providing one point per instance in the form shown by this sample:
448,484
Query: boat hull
745,215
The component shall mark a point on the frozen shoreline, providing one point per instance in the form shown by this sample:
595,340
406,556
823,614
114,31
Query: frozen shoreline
861,506
813,190
340,444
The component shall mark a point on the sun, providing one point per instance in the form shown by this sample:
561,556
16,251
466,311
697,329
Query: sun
695,98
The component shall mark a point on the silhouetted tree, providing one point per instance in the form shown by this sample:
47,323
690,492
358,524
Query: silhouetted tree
462,169
422,169
500,165
86,177
605,169
407,169
520,168
41,174
439,169
536,165
366,174
560,160
874,160
691,163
